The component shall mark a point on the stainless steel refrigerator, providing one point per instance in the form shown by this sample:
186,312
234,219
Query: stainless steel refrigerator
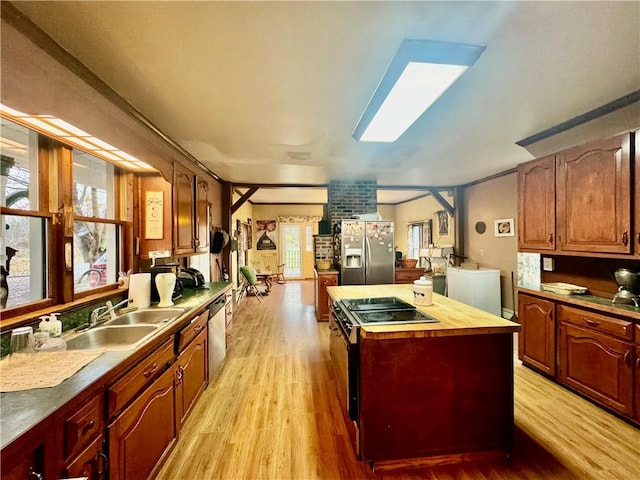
367,252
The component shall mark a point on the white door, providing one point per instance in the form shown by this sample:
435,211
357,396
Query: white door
291,236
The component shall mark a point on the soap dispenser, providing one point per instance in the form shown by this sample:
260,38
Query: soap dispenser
51,325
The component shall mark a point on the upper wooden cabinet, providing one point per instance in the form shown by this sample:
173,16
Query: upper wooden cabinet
593,197
578,201
191,212
537,204
637,196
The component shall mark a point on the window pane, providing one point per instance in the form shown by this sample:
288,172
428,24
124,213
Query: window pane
24,263
19,154
93,186
95,255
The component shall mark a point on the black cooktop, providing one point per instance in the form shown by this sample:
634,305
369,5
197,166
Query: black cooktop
376,304
394,316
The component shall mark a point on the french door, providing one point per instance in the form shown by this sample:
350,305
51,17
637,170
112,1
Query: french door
291,239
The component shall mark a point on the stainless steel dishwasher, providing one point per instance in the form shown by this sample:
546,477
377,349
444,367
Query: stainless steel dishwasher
217,343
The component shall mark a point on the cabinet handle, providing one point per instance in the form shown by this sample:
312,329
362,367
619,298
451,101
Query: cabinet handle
638,362
179,375
625,238
33,475
88,426
151,371
593,323
551,238
197,328
627,358
102,468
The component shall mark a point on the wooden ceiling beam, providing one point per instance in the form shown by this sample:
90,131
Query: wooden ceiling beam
243,199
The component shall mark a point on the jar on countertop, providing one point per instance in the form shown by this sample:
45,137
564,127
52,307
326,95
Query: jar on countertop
423,292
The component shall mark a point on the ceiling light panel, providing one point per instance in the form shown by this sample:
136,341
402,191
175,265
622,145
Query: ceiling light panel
420,72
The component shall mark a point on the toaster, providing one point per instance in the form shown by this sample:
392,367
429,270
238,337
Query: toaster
191,278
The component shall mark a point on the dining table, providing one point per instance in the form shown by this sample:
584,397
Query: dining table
266,278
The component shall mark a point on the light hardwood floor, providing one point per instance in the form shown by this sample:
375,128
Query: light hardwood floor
273,414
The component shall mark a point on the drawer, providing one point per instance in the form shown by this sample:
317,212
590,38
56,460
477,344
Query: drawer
188,333
121,392
601,323
84,425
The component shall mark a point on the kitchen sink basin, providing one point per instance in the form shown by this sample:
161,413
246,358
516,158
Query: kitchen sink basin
119,337
148,316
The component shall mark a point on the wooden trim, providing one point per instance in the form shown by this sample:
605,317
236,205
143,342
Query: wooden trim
25,213
490,177
77,218
243,199
440,199
612,106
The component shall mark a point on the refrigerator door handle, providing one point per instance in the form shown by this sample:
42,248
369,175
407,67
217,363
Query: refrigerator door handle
367,259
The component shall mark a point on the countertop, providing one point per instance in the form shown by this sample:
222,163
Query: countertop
21,411
588,301
455,318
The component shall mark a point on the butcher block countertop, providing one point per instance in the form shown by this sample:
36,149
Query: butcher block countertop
455,318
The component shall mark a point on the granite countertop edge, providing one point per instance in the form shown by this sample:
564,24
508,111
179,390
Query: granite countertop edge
588,301
24,410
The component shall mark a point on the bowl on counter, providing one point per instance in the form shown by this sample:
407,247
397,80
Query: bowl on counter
324,264
408,263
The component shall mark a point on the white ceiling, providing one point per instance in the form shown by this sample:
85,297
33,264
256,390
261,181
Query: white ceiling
270,92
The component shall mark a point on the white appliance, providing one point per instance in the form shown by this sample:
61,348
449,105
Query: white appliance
217,343
478,288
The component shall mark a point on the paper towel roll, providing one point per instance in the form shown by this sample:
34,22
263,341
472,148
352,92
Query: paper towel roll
140,290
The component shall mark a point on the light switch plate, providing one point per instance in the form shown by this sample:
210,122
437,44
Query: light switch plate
547,264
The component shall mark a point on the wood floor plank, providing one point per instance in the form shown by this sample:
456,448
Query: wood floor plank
273,413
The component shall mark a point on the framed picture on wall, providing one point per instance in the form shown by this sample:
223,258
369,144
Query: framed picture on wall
266,235
504,227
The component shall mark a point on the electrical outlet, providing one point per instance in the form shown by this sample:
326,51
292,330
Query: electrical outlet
547,264
481,252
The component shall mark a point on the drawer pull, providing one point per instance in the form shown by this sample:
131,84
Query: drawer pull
625,238
198,328
593,323
88,426
551,238
151,371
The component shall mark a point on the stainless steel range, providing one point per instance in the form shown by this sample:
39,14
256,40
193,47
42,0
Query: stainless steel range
345,319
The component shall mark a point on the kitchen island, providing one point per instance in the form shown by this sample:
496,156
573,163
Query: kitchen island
421,393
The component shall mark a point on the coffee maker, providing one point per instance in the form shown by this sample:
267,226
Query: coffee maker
155,270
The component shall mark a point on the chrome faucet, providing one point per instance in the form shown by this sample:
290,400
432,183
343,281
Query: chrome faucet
108,309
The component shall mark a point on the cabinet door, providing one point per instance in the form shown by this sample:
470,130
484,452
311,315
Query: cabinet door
322,297
142,435
597,365
637,194
202,215
90,463
154,214
537,338
537,204
183,205
191,376
593,201
637,385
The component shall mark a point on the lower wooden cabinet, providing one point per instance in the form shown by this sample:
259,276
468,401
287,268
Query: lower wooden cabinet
191,376
537,338
144,432
91,463
636,415
597,365
322,281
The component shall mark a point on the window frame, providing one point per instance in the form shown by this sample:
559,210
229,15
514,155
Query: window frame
55,182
